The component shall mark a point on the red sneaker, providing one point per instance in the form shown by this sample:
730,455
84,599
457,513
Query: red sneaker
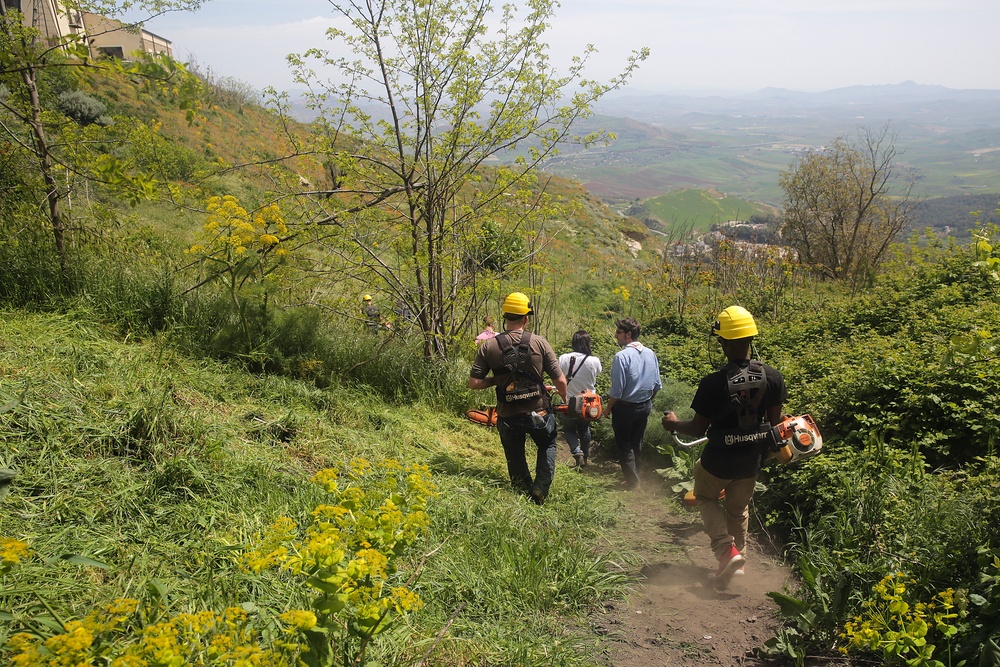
730,561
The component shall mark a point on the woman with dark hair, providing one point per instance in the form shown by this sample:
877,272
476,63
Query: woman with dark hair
487,332
581,369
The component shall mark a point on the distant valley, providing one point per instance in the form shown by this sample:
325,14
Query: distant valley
949,140
732,148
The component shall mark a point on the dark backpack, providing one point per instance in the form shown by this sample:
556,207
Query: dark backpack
523,384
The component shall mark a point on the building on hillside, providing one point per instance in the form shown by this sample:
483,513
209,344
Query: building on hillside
105,36
114,39
50,18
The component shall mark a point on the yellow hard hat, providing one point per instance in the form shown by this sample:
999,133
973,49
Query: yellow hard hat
734,322
516,303
366,297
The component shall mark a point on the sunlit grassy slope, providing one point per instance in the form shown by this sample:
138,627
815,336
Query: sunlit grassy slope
144,473
699,209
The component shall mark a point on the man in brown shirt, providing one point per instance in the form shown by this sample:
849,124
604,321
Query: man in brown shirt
523,406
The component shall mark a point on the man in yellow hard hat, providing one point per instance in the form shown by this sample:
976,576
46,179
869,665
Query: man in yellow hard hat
736,405
373,316
513,362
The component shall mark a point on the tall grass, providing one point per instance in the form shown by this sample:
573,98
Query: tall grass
143,472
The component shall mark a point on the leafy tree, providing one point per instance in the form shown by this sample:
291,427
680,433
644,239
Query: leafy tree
436,90
35,121
841,209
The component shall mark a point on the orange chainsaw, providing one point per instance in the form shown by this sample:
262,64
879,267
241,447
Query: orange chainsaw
484,417
585,405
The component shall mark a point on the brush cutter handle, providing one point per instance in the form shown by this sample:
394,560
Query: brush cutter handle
687,444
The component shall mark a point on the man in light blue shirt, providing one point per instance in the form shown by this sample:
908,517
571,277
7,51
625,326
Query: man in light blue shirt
635,379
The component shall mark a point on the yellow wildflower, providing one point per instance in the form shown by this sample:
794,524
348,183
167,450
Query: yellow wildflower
12,552
299,619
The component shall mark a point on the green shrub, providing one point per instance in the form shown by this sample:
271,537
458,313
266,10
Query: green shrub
83,108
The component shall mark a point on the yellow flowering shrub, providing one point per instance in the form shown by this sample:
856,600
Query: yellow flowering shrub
348,553
231,233
113,635
243,251
898,629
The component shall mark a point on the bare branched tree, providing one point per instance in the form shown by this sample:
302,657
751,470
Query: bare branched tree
432,94
845,204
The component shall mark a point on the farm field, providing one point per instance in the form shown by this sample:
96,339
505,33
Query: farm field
699,209
739,147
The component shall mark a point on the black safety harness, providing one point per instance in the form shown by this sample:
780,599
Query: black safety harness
747,384
523,384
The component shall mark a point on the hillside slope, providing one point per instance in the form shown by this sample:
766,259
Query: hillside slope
143,473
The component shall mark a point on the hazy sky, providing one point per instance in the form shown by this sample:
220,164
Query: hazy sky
697,45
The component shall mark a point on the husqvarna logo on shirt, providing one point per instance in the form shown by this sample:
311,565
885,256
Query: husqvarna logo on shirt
743,438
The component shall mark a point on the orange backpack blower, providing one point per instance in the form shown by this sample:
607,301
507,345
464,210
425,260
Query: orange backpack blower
585,405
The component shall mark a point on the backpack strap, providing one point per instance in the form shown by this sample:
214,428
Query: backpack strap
523,351
523,365
570,373
524,357
747,385
573,371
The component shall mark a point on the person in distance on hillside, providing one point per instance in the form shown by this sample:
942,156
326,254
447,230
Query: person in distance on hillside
736,405
373,317
581,369
516,359
635,379
488,330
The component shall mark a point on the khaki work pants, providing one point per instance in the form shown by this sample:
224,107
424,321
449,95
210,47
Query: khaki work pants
727,520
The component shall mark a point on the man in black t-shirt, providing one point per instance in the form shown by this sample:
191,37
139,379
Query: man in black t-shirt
736,405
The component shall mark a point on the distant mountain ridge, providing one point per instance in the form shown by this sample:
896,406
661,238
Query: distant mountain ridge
907,98
909,90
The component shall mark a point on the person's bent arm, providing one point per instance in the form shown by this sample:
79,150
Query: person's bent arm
694,427
561,386
483,383
774,414
611,404
617,384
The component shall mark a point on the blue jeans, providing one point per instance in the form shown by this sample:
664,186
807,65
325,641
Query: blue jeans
629,423
513,432
577,432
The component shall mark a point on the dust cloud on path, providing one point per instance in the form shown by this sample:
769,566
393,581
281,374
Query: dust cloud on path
676,616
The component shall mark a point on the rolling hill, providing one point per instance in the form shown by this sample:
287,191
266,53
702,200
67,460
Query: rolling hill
948,140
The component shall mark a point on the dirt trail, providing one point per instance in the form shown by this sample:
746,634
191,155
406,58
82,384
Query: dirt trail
676,616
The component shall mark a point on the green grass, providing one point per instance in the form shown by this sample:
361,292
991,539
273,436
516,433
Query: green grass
142,472
699,209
